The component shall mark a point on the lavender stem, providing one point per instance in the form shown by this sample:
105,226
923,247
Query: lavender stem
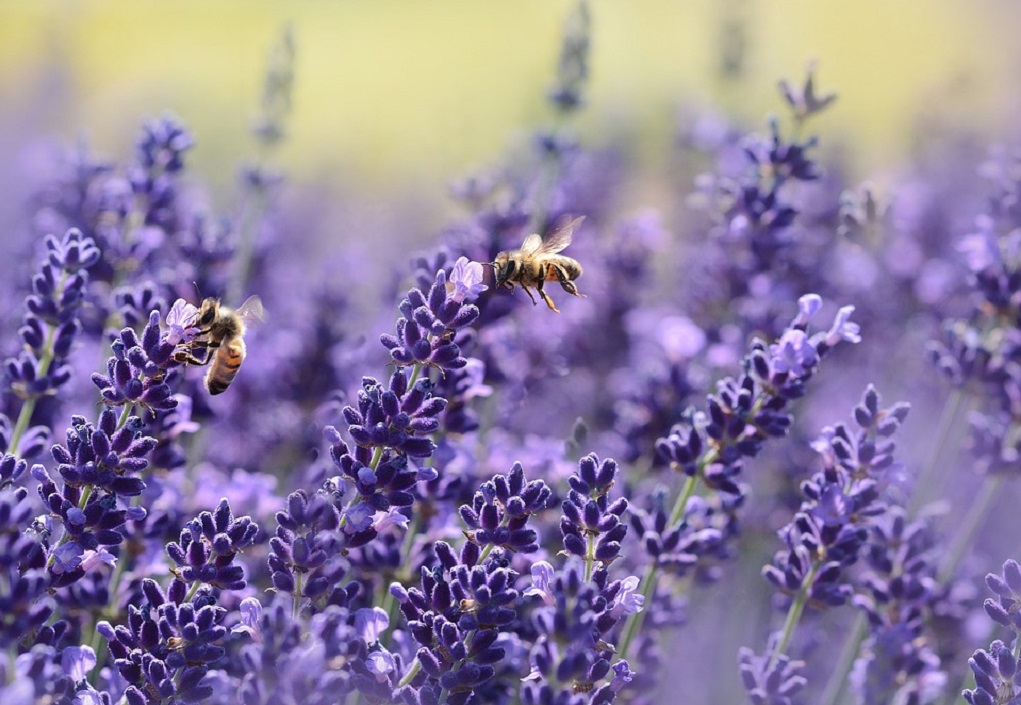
977,513
838,678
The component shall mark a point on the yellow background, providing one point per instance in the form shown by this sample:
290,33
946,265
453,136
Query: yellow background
409,94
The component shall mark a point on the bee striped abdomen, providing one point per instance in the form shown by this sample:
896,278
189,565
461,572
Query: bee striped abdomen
225,366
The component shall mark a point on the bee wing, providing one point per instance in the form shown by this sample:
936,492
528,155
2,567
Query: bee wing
560,236
251,311
531,244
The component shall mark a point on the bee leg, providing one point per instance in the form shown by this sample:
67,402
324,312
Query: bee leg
546,298
529,292
571,288
186,356
566,284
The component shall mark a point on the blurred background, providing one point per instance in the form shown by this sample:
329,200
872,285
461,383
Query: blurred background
395,98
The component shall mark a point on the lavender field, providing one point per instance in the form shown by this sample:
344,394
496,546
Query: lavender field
760,444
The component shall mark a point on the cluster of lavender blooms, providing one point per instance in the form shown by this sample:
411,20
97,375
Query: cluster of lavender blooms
455,497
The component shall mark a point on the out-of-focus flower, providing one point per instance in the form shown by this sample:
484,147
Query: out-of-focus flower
370,623
628,600
465,281
251,617
770,680
77,662
542,576
804,101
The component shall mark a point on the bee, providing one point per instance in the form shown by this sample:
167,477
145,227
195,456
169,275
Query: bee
537,262
221,335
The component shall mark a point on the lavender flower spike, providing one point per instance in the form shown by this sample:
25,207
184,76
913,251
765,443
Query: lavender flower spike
424,333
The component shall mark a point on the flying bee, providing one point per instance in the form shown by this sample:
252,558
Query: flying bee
221,336
537,262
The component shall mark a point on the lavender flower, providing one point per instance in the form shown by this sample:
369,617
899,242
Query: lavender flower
398,417
465,281
898,661
572,67
591,524
209,546
830,529
455,615
412,559
745,412
997,678
803,101
91,519
136,374
51,324
500,510
286,663
571,654
425,330
25,604
1007,588
305,559
168,646
771,679
38,676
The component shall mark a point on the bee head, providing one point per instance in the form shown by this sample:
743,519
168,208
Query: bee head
503,267
207,313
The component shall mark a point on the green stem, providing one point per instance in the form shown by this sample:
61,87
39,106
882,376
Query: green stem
191,591
965,535
416,666
296,609
590,557
27,409
416,371
838,679
681,505
96,641
635,620
12,655
794,615
125,415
